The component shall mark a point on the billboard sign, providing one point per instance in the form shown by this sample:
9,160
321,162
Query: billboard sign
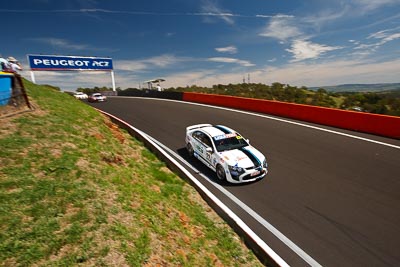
62,63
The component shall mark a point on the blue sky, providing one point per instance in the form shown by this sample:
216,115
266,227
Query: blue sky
207,42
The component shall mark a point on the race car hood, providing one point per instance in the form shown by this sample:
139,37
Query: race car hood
245,157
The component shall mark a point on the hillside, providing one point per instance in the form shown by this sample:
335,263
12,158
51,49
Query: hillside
378,87
77,191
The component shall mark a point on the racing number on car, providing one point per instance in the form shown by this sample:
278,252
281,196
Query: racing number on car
199,149
208,156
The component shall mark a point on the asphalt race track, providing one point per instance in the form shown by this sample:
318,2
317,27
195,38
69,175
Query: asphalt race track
336,198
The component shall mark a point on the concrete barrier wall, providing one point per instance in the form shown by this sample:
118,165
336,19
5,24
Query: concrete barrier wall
383,125
151,94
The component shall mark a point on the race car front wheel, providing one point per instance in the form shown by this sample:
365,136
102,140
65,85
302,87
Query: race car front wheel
221,173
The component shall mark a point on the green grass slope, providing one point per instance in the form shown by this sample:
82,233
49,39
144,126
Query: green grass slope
76,190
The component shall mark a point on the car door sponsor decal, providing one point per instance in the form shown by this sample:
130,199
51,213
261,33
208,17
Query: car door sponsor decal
208,155
199,149
224,136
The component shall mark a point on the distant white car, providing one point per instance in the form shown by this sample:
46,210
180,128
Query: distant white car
97,97
80,95
226,152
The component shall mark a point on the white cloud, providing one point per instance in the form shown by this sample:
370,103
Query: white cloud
303,49
281,28
369,5
327,15
163,60
385,36
274,16
264,16
210,10
382,37
354,42
244,63
391,37
334,10
130,65
229,49
61,43
149,63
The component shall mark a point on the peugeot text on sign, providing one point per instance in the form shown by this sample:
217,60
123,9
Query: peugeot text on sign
45,62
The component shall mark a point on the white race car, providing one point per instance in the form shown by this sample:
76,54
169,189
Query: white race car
80,95
226,152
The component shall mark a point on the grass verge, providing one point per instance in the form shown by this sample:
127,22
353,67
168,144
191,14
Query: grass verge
76,190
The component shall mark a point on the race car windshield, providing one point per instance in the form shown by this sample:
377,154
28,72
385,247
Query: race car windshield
229,142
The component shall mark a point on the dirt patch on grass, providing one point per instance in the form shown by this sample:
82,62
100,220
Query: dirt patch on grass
10,110
6,126
7,116
115,258
114,130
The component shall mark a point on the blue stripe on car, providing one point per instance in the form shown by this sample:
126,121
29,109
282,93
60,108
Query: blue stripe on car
251,156
223,129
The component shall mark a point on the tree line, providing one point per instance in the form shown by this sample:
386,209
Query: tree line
387,102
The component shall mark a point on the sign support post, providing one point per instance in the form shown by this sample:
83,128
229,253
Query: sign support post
33,77
113,80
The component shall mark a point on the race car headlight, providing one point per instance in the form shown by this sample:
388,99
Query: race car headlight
235,170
